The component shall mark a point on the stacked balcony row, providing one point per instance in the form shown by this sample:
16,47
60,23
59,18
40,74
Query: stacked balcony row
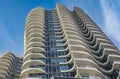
105,55
33,61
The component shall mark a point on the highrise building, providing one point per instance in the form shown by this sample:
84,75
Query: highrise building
64,44
10,66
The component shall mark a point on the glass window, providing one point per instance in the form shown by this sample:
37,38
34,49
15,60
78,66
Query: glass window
38,75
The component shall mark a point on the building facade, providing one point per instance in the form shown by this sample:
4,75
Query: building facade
64,44
10,66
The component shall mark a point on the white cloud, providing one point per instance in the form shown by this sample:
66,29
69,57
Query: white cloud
111,21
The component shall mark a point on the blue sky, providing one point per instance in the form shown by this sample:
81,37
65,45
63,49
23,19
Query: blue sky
13,13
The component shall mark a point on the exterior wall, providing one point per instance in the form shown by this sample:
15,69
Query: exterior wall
67,44
10,66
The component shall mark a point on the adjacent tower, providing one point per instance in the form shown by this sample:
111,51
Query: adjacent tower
10,66
63,44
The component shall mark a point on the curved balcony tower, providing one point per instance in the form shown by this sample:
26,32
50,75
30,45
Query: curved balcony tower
67,44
